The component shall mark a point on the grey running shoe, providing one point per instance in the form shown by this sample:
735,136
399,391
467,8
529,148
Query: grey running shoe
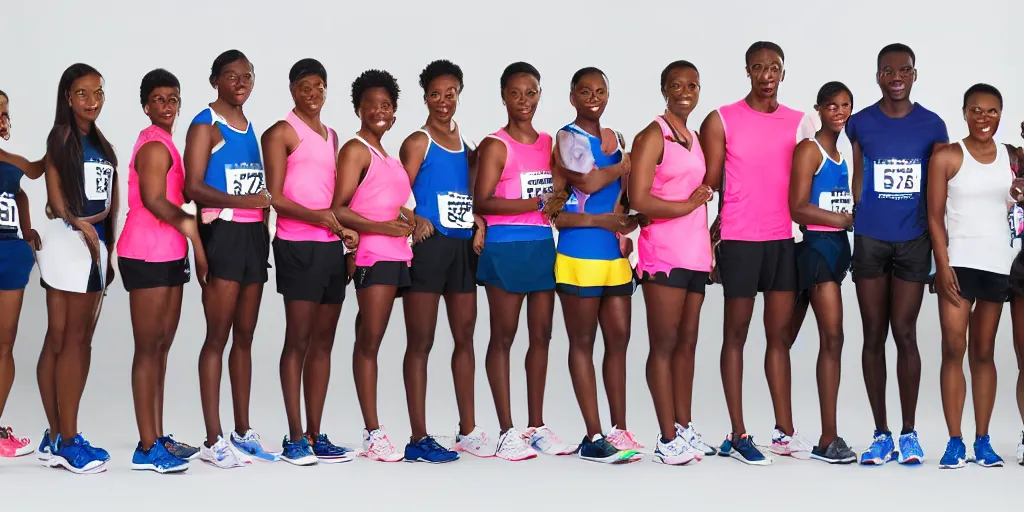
837,452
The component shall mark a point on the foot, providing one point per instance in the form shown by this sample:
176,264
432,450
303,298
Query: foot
623,440
250,444
474,443
910,449
99,453
955,456
984,455
12,445
837,452
328,452
793,446
676,452
180,450
881,451
377,446
513,447
545,441
223,455
47,447
427,450
599,449
1020,450
694,439
744,450
158,458
297,452
77,457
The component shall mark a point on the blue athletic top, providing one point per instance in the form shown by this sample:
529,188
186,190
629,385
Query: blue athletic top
441,190
830,187
895,158
97,173
592,243
235,166
10,184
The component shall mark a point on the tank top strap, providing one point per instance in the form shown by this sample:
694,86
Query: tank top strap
666,130
373,150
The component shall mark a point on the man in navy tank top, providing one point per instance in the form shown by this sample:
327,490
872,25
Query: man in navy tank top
893,140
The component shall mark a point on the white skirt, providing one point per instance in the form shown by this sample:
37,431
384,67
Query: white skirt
65,262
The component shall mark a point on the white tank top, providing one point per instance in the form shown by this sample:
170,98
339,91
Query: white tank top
977,204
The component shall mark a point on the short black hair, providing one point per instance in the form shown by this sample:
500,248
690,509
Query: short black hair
516,68
4,94
439,68
304,68
764,45
223,60
374,78
679,64
983,89
829,91
582,72
155,79
896,48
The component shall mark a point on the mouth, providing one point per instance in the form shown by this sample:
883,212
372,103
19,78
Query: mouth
897,87
594,108
986,129
685,103
767,88
167,117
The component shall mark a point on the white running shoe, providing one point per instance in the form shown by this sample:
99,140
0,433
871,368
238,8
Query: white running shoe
475,443
513,447
794,446
694,439
223,455
624,440
545,441
676,452
1020,450
377,446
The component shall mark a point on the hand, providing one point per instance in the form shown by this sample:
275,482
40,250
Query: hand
614,222
396,228
328,220
49,212
260,199
642,220
846,220
424,229
202,268
624,164
32,237
349,238
947,285
699,197
478,240
625,246
554,205
110,274
1017,190
350,265
89,236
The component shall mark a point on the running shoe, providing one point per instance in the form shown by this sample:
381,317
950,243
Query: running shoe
676,452
955,456
545,441
1020,450
12,445
694,439
745,451
984,455
624,440
881,451
77,457
47,447
250,445
377,446
178,449
792,446
158,458
837,452
474,443
513,447
99,453
223,455
910,449
427,450
328,452
298,452
599,449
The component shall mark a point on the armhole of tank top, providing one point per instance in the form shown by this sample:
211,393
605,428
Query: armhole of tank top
725,131
430,140
824,156
1012,159
372,150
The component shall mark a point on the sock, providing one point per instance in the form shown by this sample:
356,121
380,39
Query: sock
906,431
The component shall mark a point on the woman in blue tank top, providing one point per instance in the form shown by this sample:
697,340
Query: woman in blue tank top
74,262
17,241
224,176
821,203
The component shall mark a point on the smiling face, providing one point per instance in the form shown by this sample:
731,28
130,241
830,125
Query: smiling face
5,118
590,96
896,75
521,96
983,114
681,91
376,110
836,111
442,98
86,98
163,107
766,71
234,85
309,95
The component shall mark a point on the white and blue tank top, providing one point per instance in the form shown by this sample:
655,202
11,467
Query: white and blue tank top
97,183
441,190
235,166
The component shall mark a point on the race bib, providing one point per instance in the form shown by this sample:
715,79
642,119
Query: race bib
1016,220
836,201
897,176
455,210
244,180
96,180
8,213
536,184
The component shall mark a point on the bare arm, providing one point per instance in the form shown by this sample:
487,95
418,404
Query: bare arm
33,170
712,142
276,141
111,220
152,163
353,160
941,168
593,181
648,148
490,164
24,215
412,153
199,143
806,159
857,181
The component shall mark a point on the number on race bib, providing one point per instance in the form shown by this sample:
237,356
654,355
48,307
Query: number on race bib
897,176
244,180
536,184
8,213
838,201
96,180
455,210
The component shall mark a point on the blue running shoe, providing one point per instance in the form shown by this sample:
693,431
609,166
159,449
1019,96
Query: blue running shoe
910,449
99,453
78,458
178,449
726,449
328,452
599,449
427,450
744,450
956,454
297,452
249,444
882,450
47,448
158,459
984,455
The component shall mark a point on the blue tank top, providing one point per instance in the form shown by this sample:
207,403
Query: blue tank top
10,184
97,174
592,243
235,166
830,187
441,190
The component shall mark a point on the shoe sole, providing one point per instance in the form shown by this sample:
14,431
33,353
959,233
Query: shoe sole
308,460
528,457
163,471
89,469
335,460
913,460
962,463
848,460
477,455
990,465
736,455
662,460
421,459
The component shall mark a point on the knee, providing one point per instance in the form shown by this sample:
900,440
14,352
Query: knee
982,355
53,342
905,334
296,344
242,338
463,336
7,350
953,349
583,342
368,342
420,347
832,344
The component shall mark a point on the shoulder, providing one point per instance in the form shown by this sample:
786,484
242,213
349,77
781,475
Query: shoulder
950,154
205,116
416,140
153,150
354,147
650,133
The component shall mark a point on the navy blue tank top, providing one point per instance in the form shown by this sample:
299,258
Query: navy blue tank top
441,190
97,173
10,184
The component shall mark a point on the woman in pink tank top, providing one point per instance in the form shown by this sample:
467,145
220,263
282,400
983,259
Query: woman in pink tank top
371,190
518,259
300,158
153,260
674,258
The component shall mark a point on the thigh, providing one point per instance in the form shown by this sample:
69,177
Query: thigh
432,260
257,255
383,273
872,258
740,266
505,309
10,311
912,260
16,265
151,309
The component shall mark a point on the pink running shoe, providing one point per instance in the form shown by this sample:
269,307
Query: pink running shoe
623,439
13,446
377,447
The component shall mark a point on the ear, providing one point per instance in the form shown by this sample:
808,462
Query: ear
572,100
783,77
915,74
145,108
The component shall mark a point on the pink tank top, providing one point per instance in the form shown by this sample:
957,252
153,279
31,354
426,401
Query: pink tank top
527,174
758,160
384,190
309,181
145,237
682,242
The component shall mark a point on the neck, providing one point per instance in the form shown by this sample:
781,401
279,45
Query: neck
896,108
370,137
438,126
766,105
84,127
676,119
591,126
522,131
977,143
313,120
827,138
224,107
164,128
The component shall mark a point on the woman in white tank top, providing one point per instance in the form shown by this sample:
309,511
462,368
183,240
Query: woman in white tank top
967,220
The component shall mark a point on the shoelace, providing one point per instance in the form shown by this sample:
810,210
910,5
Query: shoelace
549,435
518,444
695,437
381,445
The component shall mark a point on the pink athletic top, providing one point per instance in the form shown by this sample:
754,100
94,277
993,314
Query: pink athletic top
385,188
526,175
758,160
145,237
309,181
682,242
